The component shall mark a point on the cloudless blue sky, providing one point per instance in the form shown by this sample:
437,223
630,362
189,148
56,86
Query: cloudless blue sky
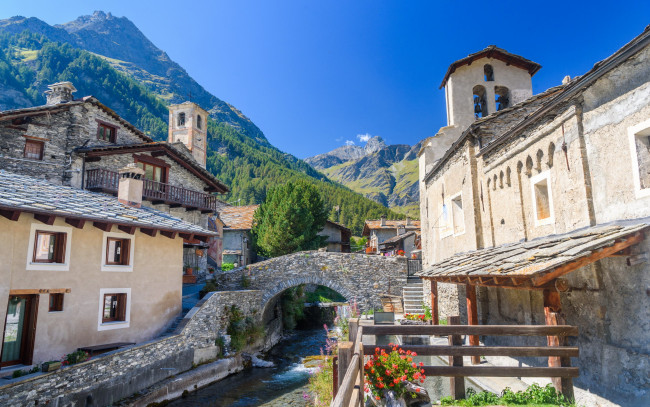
313,74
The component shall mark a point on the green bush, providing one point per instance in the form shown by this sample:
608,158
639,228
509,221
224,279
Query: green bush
227,266
534,395
242,330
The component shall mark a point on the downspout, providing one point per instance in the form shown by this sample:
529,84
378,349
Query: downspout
478,223
585,164
520,168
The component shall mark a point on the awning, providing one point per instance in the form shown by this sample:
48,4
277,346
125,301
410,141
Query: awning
537,263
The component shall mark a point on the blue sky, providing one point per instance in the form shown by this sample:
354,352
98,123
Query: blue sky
313,74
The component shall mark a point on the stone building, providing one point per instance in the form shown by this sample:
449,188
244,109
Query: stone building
82,269
237,241
82,143
540,208
336,236
377,231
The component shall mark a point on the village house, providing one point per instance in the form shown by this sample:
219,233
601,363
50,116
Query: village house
237,240
83,269
535,209
378,231
336,236
82,143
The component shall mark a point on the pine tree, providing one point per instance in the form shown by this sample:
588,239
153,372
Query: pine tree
289,220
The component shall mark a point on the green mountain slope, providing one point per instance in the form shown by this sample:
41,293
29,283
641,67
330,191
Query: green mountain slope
244,161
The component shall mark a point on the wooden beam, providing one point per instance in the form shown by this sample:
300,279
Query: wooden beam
105,226
47,219
457,383
127,229
148,231
584,261
434,302
93,159
472,318
443,350
186,236
10,214
78,223
501,371
169,234
553,317
201,238
28,291
481,330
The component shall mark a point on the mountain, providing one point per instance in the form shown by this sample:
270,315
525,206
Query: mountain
109,58
385,174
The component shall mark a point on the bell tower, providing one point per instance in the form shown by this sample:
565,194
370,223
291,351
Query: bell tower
188,124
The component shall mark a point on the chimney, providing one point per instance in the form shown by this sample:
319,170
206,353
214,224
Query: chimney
382,221
129,190
408,221
60,92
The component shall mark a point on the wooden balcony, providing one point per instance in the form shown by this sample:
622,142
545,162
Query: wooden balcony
156,192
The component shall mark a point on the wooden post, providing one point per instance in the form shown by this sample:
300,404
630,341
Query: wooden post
457,382
345,355
552,314
434,302
361,371
353,327
335,376
472,318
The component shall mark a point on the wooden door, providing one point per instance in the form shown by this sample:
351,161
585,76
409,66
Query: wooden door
19,330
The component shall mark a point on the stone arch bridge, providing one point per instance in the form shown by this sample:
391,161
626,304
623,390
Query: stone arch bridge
357,277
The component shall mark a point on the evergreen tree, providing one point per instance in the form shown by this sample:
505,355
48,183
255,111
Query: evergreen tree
289,220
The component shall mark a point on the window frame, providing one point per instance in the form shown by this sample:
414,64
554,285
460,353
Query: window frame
59,247
199,122
448,229
59,299
41,144
462,212
178,119
639,130
541,177
64,250
105,125
106,265
125,311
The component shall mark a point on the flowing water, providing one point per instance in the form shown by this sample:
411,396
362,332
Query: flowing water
282,385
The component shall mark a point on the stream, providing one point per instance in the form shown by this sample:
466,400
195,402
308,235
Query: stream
282,385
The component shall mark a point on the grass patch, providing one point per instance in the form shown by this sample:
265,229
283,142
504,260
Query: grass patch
534,395
320,384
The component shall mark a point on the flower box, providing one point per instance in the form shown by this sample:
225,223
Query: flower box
50,366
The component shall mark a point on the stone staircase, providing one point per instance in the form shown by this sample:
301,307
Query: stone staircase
412,296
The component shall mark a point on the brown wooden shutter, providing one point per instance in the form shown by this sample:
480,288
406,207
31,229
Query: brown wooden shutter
60,247
126,251
121,307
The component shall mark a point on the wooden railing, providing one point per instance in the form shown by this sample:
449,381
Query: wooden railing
413,266
157,192
349,392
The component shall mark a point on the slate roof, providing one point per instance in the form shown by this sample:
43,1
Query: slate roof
492,51
389,224
237,217
28,194
397,238
534,258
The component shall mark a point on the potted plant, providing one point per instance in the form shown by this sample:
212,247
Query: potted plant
51,366
211,270
188,270
394,375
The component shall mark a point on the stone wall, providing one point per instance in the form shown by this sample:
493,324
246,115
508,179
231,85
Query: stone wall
357,277
119,374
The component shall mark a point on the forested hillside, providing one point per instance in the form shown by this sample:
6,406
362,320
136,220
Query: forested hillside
248,165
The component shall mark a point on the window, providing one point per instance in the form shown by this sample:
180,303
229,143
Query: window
488,73
181,119
480,102
114,307
199,121
56,302
542,199
457,214
49,247
153,172
117,251
106,132
501,97
445,223
639,137
33,149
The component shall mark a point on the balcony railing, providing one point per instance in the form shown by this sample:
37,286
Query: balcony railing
157,192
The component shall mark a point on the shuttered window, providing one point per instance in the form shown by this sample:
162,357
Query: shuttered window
34,149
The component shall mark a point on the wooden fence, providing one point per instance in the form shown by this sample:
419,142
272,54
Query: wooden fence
349,389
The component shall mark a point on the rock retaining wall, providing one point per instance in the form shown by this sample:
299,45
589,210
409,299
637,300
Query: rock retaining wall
119,374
